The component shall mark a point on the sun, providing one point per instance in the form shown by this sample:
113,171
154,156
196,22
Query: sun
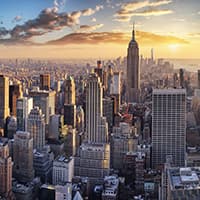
173,47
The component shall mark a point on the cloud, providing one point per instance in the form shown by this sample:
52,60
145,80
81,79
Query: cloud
88,28
17,18
127,10
47,21
144,38
90,11
93,19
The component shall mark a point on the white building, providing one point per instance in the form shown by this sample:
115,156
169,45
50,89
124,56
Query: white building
63,170
168,126
96,125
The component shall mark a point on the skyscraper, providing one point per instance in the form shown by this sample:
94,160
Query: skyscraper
198,79
133,71
69,91
23,156
4,99
24,107
36,127
5,169
96,126
15,92
168,126
44,81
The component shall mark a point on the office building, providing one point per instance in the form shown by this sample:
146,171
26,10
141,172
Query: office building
183,183
5,169
15,92
122,141
45,100
99,70
69,91
93,161
36,127
70,115
44,81
111,188
96,125
63,170
198,79
168,126
133,71
24,106
23,157
63,192
181,77
4,100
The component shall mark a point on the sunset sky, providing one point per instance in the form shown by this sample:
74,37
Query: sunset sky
98,28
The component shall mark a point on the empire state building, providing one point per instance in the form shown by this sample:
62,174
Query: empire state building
133,72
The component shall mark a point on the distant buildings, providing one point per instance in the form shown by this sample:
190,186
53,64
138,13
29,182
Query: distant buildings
168,126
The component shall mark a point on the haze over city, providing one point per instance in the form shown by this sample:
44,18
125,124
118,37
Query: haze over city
98,28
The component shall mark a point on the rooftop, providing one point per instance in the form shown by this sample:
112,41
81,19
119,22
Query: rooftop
184,178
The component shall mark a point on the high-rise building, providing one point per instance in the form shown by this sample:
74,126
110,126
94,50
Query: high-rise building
44,81
70,115
23,157
5,169
69,91
4,99
24,106
45,100
198,78
15,92
181,77
168,126
133,71
99,71
63,170
96,125
36,127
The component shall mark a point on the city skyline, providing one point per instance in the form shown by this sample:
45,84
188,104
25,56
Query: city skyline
66,28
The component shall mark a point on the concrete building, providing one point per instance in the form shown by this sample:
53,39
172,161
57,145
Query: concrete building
63,192
69,91
15,92
63,170
133,70
168,126
122,141
36,127
23,157
11,127
43,164
93,161
108,112
183,183
44,81
45,100
111,188
56,125
24,106
5,169
4,100
96,126
70,115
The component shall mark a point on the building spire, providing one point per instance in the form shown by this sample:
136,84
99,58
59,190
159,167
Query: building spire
133,33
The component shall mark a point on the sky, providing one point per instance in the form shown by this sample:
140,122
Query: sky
98,28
